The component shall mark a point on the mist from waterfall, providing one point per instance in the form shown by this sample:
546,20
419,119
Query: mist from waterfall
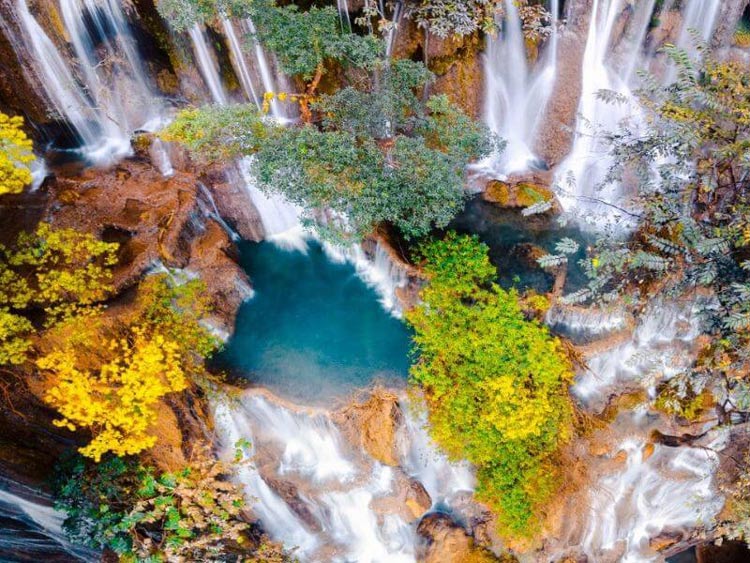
517,91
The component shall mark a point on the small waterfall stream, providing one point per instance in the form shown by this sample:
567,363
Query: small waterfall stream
31,530
207,65
516,94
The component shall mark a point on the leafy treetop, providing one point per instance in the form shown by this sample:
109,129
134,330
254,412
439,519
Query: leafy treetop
495,383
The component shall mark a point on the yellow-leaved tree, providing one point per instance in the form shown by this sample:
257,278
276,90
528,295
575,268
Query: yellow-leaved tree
48,276
15,155
110,379
116,401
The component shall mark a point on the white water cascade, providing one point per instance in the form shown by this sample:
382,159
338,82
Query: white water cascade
240,64
659,488
639,489
581,174
516,95
345,505
114,75
699,18
33,528
207,65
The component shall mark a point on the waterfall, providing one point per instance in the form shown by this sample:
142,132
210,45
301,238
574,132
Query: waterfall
665,489
270,83
659,347
515,95
581,174
208,66
343,8
380,272
101,138
390,38
698,17
280,218
313,490
32,529
208,207
639,489
238,59
105,96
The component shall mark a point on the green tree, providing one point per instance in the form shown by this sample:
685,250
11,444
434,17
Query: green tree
692,176
378,155
193,514
495,383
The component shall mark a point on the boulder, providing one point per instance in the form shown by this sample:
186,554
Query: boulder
447,542
372,425
517,194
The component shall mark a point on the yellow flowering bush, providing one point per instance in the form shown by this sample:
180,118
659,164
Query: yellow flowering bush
116,401
15,155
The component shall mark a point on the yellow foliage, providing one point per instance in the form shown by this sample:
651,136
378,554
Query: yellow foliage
15,155
117,402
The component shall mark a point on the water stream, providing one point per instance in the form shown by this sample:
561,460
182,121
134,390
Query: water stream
516,91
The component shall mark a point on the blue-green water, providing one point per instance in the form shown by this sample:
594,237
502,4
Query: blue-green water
313,330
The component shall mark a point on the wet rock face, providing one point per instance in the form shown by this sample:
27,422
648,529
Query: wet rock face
155,220
20,94
447,542
372,425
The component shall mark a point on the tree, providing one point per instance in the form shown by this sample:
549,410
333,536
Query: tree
51,275
692,175
495,383
379,154
117,400
305,42
115,389
15,155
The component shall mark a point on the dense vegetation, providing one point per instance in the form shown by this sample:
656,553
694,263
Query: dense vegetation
15,155
495,382
193,514
378,155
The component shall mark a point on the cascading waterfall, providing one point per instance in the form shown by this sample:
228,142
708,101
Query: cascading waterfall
657,488
515,94
345,506
271,83
207,65
111,98
699,18
343,8
581,174
31,530
238,59
662,489
97,134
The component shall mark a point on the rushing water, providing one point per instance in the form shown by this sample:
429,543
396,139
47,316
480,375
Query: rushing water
516,93
31,530
314,329
347,506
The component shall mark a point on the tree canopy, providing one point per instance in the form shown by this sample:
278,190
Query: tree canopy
495,383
